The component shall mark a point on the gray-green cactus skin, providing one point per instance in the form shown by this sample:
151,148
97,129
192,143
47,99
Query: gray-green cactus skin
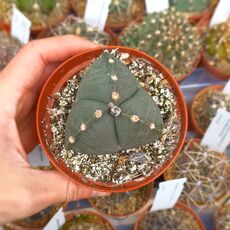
111,111
168,37
190,5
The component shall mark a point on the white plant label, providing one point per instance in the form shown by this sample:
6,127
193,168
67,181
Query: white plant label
222,13
156,5
96,13
38,158
226,89
217,136
20,26
168,194
56,221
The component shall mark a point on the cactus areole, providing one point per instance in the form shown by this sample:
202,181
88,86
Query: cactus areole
111,112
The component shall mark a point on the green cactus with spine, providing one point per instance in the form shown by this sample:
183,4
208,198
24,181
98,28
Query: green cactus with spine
77,26
190,5
217,46
29,5
111,111
168,37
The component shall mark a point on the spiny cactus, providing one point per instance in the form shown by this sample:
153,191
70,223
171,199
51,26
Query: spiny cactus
207,172
77,26
124,203
30,5
206,105
175,218
8,49
217,46
190,5
111,112
168,37
86,221
120,11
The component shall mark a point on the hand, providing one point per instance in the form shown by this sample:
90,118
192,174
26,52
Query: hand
25,191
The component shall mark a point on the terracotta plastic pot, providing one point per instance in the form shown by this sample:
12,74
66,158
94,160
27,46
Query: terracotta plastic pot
70,215
178,205
149,195
55,83
138,16
194,123
168,175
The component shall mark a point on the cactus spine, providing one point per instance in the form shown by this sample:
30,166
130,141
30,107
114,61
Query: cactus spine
217,46
168,37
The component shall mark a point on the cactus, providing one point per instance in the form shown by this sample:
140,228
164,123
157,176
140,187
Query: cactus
217,46
8,49
25,5
77,26
120,11
168,37
124,203
111,112
207,172
207,104
175,218
29,5
222,217
190,5
86,221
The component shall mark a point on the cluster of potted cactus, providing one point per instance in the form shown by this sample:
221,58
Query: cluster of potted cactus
168,37
42,13
9,47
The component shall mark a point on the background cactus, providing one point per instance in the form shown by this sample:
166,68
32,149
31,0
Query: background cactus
77,26
168,37
121,12
30,5
175,218
42,13
8,49
107,116
217,46
206,105
86,220
190,5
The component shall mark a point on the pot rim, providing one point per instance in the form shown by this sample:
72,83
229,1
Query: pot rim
88,56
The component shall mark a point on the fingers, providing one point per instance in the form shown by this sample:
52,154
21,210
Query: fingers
27,68
51,187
